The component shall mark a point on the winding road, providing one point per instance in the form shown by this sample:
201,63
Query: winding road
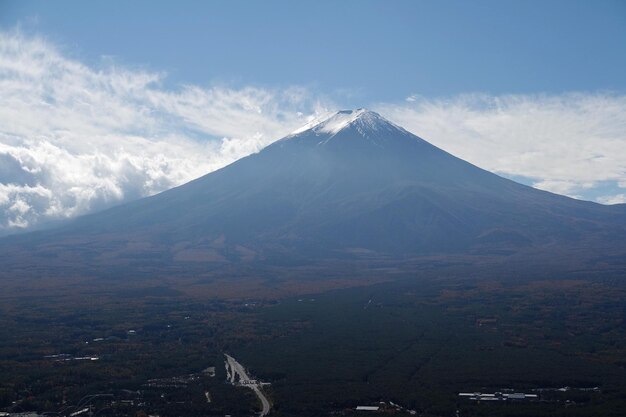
235,370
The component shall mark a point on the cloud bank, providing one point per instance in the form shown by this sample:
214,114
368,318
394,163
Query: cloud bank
76,138
572,144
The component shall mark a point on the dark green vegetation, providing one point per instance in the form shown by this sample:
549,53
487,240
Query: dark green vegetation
414,342
419,345
151,353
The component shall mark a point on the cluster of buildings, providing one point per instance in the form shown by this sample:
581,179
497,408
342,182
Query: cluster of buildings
498,396
384,407
25,414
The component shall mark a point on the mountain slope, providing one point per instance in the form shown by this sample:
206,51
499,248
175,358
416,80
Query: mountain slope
352,184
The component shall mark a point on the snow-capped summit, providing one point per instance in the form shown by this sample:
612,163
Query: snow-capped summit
334,122
349,126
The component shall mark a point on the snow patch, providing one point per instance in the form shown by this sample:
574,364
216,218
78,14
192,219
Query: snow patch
364,124
333,123
339,121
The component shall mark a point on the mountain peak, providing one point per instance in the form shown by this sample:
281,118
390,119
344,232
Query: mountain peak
332,123
344,118
350,129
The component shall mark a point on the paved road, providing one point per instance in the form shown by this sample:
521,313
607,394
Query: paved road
234,369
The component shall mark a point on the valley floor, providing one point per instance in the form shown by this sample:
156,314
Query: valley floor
408,346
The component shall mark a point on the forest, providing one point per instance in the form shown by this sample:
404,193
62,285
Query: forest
413,342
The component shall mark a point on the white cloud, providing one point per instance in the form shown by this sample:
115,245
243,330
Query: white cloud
566,143
613,199
74,138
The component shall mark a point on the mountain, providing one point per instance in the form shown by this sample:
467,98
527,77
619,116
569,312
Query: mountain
349,186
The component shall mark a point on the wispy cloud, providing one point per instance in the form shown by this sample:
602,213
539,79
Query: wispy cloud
613,199
567,144
74,138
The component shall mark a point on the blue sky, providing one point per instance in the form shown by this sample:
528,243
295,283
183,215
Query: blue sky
102,102
357,51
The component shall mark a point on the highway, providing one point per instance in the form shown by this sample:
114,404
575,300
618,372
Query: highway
234,371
